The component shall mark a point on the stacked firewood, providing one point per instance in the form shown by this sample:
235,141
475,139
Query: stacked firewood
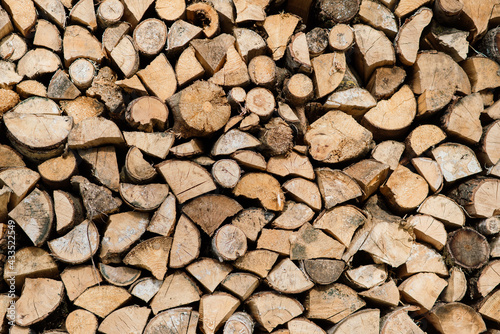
250,166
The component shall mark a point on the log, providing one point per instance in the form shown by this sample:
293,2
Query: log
259,262
329,69
83,12
204,15
275,240
147,113
299,89
150,36
234,73
422,289
262,71
81,321
179,35
250,159
226,173
261,102
29,88
229,243
332,302
209,272
489,278
23,14
151,255
379,17
239,322
177,289
65,250
489,147
461,119
137,168
46,35
410,31
94,131
422,138
159,78
104,87
183,320
10,176
240,284
249,44
468,248
450,40
156,144
386,294
456,161
78,42
112,35
250,10
339,11
125,56
82,72
110,12
188,68
429,230
444,318
102,300
170,10
457,286
119,276
479,197
489,226
215,309
279,28
131,318
488,307
38,62
145,288
77,279
271,310
317,41
399,320
297,56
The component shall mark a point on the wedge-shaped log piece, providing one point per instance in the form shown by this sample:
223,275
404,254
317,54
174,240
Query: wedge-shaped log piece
135,10
177,290
392,118
210,211
211,53
146,113
82,107
94,131
103,165
145,288
46,35
252,220
131,319
226,173
423,137
215,309
5,24
369,174
407,39
336,187
81,321
456,161
279,29
271,310
66,250
405,190
380,243
429,230
188,68
54,10
398,321
337,137
112,35
119,276
232,141
341,222
37,105
241,284
234,73
365,321
209,272
263,187
385,81
250,10
323,271
468,248
378,16
456,318
329,70
18,190
353,101
23,14
182,320
210,25
367,276
146,197
239,322
461,119
126,56
457,286
133,85
31,262
405,7
39,298
78,42
422,289
123,229
489,278
159,78
297,56
311,243
303,325
34,214
304,191
430,171
332,302
24,134
151,255
156,144
56,172
275,240
102,300
98,201
286,277
386,294
489,306
450,40
186,243
479,197
186,179
179,36
259,262
163,220
137,168
83,12
77,279
444,209
294,215
10,158
249,44
9,76
423,259
169,10
5,193
372,49
482,73
490,149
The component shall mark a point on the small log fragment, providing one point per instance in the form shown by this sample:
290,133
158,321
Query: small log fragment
456,161
386,294
455,318
186,179
479,197
156,144
275,240
9,75
188,68
372,49
378,16
94,131
405,190
353,101
251,221
424,137
229,243
209,272
310,243
211,52
430,171
461,119
119,237
489,306
137,168
332,302
215,309
78,42
429,230
250,159
234,73
271,310
151,255
30,88
64,249
39,298
5,24
110,12
82,72
81,321
177,289
112,35
119,276
103,165
335,187
329,70
259,262
422,289
250,10
369,174
329,143
482,73
183,320
186,243
34,214
226,173
102,300
132,319
239,322
341,222
204,15
46,35
145,288
232,141
10,177
406,40
147,113
385,81
83,13
191,148
304,191
77,279
468,248
133,85
297,56
241,284
169,10
457,286
179,36
23,14
423,259
150,36
450,40
489,226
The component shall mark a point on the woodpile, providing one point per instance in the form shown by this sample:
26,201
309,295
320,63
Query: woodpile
249,166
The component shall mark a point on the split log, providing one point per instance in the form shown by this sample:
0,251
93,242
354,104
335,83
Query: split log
126,56
259,262
9,77
457,286
83,12
489,153
183,320
180,34
250,159
367,276
191,148
275,240
94,131
378,16
156,144
422,289
143,197
215,309
329,70
82,108
135,10
310,243
279,28
170,10
145,288
38,62
489,278
23,14
431,172
250,10
353,101
239,322
444,209
77,279
150,36
249,44
317,41
5,24
297,56
262,71
234,141
159,78
479,197
81,321
271,310
211,52
399,321
406,40
10,176
147,113
102,300
177,289
30,88
332,302
204,15
423,259
119,276
450,40
131,318
103,165
468,248
251,221
78,42
188,68
488,307
112,35
98,201
461,119
46,35
104,87
422,138
429,230
386,294
151,255
263,187
186,243
339,11
110,12
455,318
294,215
234,73
209,272
336,187
65,250
133,85
456,161
489,226
240,284
138,169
